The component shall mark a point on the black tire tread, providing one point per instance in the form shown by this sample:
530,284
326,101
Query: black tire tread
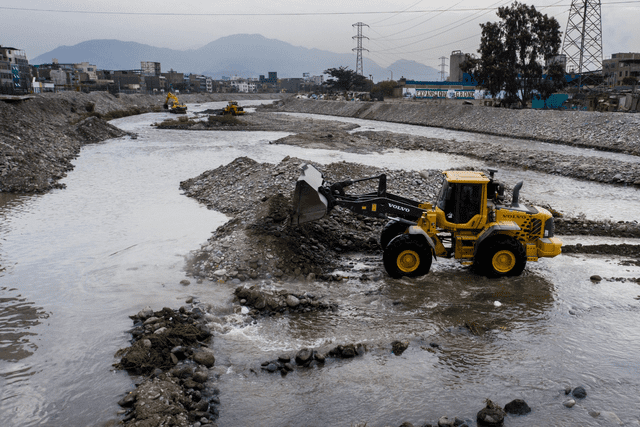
401,243
390,230
496,244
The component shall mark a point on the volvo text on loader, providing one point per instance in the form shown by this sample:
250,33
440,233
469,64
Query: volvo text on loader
469,221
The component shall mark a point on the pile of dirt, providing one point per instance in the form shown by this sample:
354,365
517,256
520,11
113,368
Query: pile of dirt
170,349
259,242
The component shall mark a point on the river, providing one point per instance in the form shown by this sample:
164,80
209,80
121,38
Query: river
75,263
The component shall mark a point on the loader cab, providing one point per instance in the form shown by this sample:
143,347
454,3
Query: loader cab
462,197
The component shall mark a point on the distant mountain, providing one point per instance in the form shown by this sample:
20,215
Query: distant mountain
245,55
413,70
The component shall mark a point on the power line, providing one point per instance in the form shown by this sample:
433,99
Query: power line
88,12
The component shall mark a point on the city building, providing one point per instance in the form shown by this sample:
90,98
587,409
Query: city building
150,68
293,85
14,62
174,80
86,72
621,66
244,86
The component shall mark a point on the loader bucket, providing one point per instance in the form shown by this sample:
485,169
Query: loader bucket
308,204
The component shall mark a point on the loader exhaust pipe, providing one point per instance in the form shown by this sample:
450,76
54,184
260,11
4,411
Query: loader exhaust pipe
516,195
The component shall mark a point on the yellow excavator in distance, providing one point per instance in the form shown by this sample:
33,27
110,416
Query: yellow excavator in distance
174,107
233,109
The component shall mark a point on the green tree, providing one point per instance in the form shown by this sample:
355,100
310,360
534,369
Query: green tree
344,79
513,51
386,87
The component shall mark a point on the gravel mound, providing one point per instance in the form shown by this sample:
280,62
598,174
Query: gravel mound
259,243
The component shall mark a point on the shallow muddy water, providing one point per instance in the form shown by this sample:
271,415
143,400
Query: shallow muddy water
74,263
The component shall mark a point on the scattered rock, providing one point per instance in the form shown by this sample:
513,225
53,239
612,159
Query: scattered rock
303,357
491,415
569,403
398,347
268,302
579,392
517,407
175,365
205,358
445,422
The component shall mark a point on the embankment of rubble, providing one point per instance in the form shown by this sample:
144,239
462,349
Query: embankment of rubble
619,132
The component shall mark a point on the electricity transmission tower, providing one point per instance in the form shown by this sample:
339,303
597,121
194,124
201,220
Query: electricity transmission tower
583,38
359,48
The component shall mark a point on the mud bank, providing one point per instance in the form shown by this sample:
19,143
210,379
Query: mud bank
259,243
619,132
39,137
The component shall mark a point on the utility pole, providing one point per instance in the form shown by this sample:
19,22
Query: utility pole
582,44
359,48
442,66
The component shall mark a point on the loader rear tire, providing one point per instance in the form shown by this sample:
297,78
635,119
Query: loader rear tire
502,257
407,255
390,230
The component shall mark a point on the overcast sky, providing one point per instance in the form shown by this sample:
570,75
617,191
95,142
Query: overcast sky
416,30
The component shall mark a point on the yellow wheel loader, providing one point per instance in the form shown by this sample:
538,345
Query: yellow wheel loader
173,105
469,221
232,109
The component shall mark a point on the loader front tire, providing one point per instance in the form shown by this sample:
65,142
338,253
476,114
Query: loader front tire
390,230
503,257
407,255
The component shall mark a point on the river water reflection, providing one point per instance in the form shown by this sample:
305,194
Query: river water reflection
75,263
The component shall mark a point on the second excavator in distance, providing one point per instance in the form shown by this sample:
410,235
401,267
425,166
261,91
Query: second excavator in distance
469,221
173,105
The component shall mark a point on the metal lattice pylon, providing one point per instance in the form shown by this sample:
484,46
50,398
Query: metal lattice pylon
359,48
583,38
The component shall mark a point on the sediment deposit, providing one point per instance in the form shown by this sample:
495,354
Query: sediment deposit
619,132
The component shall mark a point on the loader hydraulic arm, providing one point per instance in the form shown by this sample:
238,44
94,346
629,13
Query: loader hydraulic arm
313,200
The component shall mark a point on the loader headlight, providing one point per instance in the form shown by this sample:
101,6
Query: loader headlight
549,228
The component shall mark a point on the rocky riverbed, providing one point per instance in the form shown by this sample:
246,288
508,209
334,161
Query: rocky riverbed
257,246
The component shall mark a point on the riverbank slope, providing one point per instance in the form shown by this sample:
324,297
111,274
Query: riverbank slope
39,137
618,132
